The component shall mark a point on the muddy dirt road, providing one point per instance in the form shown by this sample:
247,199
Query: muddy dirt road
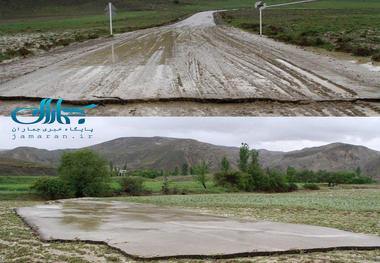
215,69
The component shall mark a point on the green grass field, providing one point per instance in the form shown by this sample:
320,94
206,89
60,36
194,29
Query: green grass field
77,16
18,187
341,25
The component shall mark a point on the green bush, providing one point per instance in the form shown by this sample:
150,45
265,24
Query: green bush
86,173
132,185
52,188
311,186
147,173
292,187
228,179
276,182
165,186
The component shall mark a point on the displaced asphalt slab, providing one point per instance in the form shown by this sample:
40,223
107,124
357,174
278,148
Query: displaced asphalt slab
148,231
193,60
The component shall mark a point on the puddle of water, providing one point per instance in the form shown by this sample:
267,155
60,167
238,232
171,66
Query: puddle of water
371,67
148,231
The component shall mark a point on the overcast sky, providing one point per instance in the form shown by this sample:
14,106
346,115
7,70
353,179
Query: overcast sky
283,134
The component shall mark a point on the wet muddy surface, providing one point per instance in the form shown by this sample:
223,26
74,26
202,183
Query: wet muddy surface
192,60
147,231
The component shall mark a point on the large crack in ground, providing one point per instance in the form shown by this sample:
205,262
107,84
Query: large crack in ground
210,107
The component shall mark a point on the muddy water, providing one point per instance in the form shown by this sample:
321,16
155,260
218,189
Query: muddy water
149,231
193,59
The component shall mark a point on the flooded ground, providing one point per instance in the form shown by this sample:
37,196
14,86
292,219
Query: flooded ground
194,60
148,231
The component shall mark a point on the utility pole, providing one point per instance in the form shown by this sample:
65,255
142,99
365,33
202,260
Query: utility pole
261,6
110,15
261,22
110,12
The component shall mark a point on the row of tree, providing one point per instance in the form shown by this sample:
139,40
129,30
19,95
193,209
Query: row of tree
251,176
331,178
84,173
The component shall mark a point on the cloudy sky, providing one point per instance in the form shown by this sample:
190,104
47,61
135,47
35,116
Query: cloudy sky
283,134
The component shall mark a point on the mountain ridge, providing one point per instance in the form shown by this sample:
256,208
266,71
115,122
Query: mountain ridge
167,153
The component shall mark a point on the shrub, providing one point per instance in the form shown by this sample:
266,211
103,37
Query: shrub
228,179
132,185
376,56
165,186
362,51
23,52
200,173
63,42
292,187
86,173
147,173
344,44
4,56
276,182
311,187
52,188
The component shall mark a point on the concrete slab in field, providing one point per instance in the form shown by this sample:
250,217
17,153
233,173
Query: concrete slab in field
147,231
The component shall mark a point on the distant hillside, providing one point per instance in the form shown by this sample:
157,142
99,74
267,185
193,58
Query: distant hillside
17,167
163,153
332,157
168,153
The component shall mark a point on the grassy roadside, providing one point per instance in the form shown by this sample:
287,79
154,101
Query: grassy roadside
350,209
345,26
31,28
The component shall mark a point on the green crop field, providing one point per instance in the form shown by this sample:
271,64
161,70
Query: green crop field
335,25
18,187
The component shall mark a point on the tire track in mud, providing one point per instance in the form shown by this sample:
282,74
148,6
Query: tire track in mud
273,61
